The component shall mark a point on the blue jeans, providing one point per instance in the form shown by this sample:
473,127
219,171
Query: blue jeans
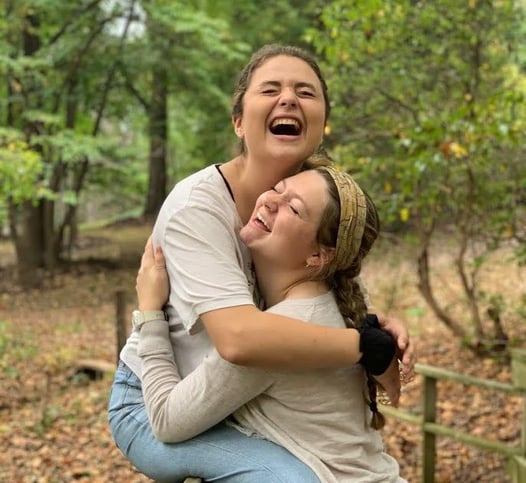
220,454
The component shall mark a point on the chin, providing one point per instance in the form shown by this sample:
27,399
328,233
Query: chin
248,237
289,158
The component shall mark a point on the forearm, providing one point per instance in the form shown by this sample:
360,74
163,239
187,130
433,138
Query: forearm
181,409
160,377
246,336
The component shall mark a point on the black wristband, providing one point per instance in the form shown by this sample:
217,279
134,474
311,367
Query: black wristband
376,345
371,320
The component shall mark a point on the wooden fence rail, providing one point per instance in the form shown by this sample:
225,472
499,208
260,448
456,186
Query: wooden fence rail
431,429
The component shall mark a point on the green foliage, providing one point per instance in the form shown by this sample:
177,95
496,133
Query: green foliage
20,169
84,72
429,109
427,97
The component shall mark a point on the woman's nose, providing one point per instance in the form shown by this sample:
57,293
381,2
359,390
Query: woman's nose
271,201
288,98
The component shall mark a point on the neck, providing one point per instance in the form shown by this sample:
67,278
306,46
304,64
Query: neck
249,178
277,284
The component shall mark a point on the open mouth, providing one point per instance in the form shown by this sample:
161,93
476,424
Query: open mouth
259,220
285,127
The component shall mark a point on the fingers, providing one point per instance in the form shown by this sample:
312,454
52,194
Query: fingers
148,249
408,361
403,341
147,259
159,258
390,383
394,397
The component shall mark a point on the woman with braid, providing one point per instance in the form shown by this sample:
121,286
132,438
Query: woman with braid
308,237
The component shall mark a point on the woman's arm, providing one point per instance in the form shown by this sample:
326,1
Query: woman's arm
246,336
181,409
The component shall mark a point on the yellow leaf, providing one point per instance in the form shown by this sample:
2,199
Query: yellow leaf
404,214
458,150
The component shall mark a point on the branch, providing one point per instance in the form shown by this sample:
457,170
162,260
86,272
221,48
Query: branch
424,286
74,16
111,73
469,288
129,85
78,60
464,223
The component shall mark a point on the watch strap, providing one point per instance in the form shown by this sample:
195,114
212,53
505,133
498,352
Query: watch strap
141,317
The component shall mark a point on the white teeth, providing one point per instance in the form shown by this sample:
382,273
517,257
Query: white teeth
285,122
261,219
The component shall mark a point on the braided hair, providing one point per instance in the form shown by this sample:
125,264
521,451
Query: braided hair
342,278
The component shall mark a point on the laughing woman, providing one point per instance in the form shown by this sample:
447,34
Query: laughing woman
308,237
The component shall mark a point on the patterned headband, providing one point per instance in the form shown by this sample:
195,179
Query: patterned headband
353,209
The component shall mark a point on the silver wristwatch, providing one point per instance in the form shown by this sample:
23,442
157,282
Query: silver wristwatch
140,317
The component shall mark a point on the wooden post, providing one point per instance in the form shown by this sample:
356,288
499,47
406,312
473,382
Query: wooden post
518,368
120,320
518,377
429,438
517,464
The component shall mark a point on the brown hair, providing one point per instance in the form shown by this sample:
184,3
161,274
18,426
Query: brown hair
342,279
263,54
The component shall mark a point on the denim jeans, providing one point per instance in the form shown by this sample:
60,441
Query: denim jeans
221,454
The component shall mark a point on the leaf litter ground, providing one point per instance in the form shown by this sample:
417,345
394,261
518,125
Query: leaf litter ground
53,424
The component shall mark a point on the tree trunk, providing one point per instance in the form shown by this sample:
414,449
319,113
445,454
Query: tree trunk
29,243
158,119
424,286
31,223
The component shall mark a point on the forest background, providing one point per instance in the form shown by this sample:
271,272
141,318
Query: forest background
104,105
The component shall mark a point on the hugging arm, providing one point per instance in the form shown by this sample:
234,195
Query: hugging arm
181,409
178,408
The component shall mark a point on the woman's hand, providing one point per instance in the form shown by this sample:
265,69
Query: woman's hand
406,353
152,285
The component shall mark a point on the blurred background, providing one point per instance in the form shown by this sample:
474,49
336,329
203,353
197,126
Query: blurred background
106,104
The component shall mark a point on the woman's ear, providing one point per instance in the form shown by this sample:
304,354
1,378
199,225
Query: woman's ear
238,128
322,258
